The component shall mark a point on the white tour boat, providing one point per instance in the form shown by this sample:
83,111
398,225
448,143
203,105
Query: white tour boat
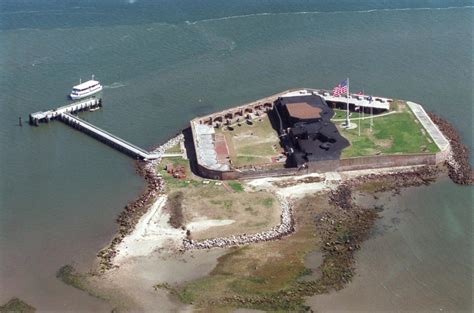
85,89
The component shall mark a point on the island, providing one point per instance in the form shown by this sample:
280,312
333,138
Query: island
262,205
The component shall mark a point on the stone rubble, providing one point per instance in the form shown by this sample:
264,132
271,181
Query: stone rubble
458,164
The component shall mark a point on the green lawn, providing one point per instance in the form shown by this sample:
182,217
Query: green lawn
341,114
392,134
174,149
173,183
236,186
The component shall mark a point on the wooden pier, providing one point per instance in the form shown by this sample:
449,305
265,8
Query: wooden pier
64,114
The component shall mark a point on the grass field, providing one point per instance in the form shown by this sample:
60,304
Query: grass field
396,133
341,114
252,144
174,149
213,200
260,270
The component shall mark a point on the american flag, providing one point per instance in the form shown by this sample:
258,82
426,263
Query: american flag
341,89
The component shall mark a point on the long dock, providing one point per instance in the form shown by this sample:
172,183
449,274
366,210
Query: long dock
106,137
64,114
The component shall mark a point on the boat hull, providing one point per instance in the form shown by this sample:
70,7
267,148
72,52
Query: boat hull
85,94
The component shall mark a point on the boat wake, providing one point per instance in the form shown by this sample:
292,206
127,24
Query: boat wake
322,12
115,85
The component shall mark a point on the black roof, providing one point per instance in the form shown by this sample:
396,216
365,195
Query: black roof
309,140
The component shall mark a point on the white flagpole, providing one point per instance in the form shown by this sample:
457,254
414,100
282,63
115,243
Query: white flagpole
363,98
359,120
371,114
363,109
348,122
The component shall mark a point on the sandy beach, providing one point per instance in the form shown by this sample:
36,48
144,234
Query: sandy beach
152,232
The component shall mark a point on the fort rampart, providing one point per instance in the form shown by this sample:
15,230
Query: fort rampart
350,164
254,109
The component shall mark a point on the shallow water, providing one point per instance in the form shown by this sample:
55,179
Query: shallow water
162,64
419,257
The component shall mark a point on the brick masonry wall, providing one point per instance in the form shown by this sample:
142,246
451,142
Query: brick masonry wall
361,163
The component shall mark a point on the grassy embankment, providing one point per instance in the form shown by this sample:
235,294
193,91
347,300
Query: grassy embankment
194,199
397,133
92,284
17,306
252,144
174,149
68,275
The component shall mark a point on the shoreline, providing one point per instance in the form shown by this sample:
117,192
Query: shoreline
144,229
459,171
130,216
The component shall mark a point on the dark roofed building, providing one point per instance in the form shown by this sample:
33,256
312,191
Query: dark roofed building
307,131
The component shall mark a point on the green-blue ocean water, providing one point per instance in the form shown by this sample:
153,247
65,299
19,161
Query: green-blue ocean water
162,63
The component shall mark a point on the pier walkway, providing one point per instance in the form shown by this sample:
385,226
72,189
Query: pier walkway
107,137
90,103
64,114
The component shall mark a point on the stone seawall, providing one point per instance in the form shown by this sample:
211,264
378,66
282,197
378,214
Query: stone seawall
457,161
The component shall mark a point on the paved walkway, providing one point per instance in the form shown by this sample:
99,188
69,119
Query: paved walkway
428,124
171,155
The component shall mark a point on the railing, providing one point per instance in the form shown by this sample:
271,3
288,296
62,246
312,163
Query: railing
108,137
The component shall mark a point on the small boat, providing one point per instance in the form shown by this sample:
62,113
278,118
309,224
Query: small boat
85,89
94,109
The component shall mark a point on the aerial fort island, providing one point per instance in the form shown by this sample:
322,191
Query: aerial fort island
265,204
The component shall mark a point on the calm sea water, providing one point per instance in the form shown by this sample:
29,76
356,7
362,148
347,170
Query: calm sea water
163,62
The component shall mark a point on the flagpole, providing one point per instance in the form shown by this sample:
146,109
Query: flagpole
348,122
359,121
371,114
363,108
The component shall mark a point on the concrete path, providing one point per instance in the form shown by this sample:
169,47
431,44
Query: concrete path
428,124
171,155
